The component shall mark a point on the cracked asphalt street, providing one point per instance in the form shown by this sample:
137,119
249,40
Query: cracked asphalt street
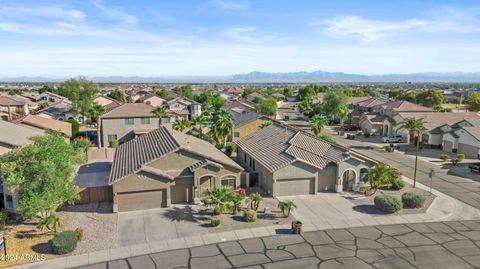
426,245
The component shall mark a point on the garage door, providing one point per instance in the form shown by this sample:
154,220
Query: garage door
141,200
447,146
326,179
285,187
468,150
181,192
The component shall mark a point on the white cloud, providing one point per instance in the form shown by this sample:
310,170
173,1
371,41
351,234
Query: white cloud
229,4
115,13
249,34
50,11
440,20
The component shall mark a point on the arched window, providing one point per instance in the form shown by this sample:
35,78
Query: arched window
348,179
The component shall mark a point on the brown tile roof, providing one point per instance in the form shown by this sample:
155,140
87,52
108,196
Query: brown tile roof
278,145
436,119
46,123
354,100
7,101
130,110
134,155
406,106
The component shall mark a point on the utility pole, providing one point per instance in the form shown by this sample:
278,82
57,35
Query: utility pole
416,159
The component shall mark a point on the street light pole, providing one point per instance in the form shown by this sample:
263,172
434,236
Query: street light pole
416,159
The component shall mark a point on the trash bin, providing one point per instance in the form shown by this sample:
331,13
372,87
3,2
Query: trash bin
296,227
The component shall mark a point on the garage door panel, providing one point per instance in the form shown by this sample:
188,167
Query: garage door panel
300,186
468,150
141,200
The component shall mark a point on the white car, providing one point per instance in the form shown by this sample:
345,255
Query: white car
392,139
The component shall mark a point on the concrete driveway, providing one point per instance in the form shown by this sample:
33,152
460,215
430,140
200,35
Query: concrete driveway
152,225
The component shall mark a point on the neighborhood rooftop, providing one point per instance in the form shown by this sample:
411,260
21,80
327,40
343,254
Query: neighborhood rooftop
242,113
46,123
279,145
16,135
130,110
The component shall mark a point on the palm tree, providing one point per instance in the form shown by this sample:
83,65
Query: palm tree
317,123
381,174
255,199
220,198
286,206
181,124
160,112
201,121
96,110
222,126
414,126
342,114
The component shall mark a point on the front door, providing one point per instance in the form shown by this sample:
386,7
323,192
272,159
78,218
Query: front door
206,183
253,180
348,179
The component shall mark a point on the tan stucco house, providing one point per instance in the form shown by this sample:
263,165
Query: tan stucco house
167,167
246,119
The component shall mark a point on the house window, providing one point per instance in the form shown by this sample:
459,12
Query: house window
253,166
244,157
111,138
145,121
165,120
228,182
129,121
9,201
236,134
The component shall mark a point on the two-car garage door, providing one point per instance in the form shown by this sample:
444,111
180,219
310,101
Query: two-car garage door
141,200
469,150
286,187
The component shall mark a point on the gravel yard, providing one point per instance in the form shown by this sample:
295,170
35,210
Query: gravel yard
366,204
97,222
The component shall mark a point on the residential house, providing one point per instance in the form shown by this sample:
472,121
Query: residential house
462,137
183,107
12,136
107,102
246,120
47,97
285,161
152,99
228,97
62,110
42,124
167,167
11,108
126,122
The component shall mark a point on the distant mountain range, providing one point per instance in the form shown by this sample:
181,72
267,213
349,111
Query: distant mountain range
265,77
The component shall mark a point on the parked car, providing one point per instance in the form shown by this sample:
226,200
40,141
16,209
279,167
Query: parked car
474,167
392,139
351,127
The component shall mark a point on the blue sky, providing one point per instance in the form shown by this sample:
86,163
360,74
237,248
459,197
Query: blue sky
223,37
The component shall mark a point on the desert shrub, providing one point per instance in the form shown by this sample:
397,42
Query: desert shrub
250,215
397,184
75,126
454,161
3,219
64,242
229,149
215,221
388,204
219,146
79,232
444,157
82,143
412,200
460,157
114,143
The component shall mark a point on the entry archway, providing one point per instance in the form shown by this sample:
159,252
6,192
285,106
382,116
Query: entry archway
348,179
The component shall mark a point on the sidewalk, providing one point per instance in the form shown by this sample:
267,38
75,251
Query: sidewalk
443,208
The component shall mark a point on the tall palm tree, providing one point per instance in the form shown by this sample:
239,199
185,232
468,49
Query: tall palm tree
317,123
379,175
414,127
181,124
201,121
160,112
222,126
96,110
342,114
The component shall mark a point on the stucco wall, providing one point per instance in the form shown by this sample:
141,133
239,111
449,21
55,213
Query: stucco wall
123,131
247,129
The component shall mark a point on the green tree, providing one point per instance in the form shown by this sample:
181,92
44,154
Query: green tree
267,107
306,106
457,101
181,124
474,102
255,199
201,120
47,88
162,93
414,127
430,98
381,174
43,173
409,96
266,123
220,198
15,92
186,91
335,104
287,92
327,138
221,126
95,111
117,94
160,112
81,92
212,100
286,206
317,123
